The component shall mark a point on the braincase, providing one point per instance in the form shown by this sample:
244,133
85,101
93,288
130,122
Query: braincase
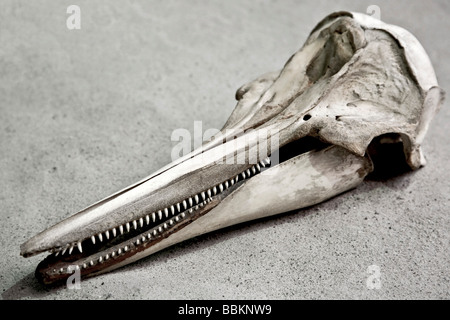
388,86
354,79
373,94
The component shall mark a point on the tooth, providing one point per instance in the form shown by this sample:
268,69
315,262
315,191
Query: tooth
172,210
190,202
243,175
107,257
125,249
214,190
138,242
236,179
196,207
155,233
209,193
91,263
70,250
119,251
226,185
149,236
93,239
171,222
128,226
232,181
113,254
178,207
258,167
220,187
196,198
114,232
147,219
262,164
190,210
121,229
79,247
183,215
61,270
143,239
267,160
100,237
107,234
84,265
135,224
57,253
159,214
166,212
248,172
253,169
203,195
184,204
141,222
160,229
153,217
165,225
100,259
64,251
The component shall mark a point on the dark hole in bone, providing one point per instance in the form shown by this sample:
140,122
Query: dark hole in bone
300,146
306,117
388,157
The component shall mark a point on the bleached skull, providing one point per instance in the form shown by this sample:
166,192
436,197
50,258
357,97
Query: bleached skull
355,79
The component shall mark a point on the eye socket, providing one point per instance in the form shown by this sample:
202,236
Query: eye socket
306,117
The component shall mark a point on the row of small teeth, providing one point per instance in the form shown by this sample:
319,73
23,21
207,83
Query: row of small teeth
141,240
192,203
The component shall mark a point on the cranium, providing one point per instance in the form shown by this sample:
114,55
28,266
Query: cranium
355,80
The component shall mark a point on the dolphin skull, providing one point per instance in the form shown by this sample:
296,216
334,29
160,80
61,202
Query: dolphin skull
355,80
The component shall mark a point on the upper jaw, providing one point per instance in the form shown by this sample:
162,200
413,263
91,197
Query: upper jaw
173,190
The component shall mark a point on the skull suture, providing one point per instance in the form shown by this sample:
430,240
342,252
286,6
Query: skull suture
354,80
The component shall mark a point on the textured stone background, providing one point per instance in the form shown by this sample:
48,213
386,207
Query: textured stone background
84,113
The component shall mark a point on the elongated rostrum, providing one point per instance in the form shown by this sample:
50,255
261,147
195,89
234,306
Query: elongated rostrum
297,137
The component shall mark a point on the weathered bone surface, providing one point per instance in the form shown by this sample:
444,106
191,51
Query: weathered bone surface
356,79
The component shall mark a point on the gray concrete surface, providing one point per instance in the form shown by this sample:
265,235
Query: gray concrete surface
86,112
